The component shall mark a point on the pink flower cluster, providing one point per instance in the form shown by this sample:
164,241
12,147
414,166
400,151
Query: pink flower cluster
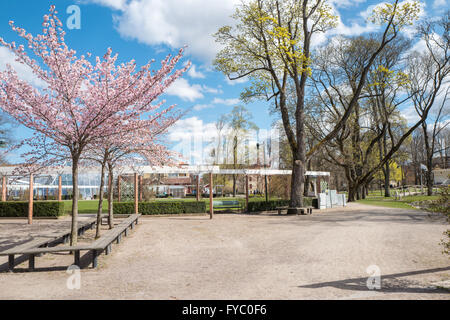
84,106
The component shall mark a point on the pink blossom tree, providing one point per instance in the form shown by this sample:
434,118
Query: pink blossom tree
81,103
123,148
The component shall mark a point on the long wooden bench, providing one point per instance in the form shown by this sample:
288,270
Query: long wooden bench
308,210
44,241
97,247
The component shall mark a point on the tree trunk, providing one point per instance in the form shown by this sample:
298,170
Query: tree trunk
110,196
297,184
307,179
429,176
100,202
351,192
363,192
387,174
75,193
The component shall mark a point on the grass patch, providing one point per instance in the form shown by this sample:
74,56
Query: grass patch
85,206
404,203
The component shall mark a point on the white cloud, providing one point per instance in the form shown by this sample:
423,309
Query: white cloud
173,23
23,71
410,114
192,138
228,102
440,4
114,4
199,107
182,89
193,73
346,3
237,81
211,90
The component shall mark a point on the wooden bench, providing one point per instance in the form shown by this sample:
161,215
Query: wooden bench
226,204
97,247
308,210
40,242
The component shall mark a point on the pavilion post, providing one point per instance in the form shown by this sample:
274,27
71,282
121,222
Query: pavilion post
59,188
119,191
198,188
318,185
286,189
315,186
30,201
140,187
136,193
246,193
3,188
266,191
211,209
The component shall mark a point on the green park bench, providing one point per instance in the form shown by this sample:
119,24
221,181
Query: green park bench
226,204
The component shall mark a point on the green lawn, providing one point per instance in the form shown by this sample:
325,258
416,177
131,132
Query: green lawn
85,206
390,202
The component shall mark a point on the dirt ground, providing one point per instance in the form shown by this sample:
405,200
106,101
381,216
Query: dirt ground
322,256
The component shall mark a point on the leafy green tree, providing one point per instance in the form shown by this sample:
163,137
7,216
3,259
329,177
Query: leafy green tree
239,122
271,45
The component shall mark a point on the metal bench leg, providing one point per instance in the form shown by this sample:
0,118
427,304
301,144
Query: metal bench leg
108,250
77,258
132,226
126,232
119,237
94,258
11,262
31,262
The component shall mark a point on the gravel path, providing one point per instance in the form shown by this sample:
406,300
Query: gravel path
322,256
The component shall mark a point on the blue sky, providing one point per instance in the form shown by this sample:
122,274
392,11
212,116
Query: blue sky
150,29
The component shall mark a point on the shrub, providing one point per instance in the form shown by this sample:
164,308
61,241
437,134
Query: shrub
161,207
40,209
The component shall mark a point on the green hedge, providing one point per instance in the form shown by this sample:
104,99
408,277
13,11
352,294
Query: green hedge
40,209
261,205
161,207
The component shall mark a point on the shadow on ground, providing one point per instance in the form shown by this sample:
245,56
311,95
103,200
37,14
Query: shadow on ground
391,283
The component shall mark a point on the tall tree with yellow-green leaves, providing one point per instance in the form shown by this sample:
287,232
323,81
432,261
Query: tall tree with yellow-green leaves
271,45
